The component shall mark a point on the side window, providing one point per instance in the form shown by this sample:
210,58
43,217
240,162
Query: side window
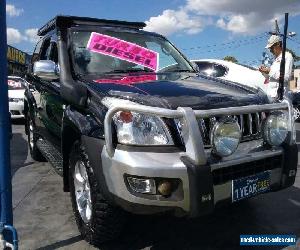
220,70
53,55
36,53
206,68
45,50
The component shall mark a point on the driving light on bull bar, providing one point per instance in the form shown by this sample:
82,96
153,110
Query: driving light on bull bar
141,129
275,128
165,188
142,185
225,137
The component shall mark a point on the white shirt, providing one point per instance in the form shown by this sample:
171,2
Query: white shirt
273,84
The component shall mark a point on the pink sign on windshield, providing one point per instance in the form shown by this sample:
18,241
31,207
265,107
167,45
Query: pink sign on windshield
131,52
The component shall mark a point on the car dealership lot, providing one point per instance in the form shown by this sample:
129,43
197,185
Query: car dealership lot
44,219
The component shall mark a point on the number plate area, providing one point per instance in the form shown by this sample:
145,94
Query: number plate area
250,186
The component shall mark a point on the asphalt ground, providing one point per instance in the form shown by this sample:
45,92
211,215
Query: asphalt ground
44,219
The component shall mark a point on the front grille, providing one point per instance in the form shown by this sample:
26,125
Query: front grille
223,175
250,125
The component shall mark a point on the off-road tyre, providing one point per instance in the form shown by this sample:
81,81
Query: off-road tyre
107,220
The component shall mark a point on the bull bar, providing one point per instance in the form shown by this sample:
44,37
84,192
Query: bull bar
191,133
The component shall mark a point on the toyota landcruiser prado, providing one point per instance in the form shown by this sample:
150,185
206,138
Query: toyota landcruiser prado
126,120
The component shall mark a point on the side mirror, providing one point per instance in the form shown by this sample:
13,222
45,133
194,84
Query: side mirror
46,70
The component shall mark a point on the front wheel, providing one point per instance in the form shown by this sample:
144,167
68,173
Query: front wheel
98,221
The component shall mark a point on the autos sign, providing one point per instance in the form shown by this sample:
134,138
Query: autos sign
131,52
15,55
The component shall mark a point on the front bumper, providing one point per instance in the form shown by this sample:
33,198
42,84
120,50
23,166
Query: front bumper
202,187
16,109
204,181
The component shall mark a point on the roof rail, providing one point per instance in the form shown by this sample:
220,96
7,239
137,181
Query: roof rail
67,21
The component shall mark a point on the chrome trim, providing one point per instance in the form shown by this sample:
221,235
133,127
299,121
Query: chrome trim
250,124
258,122
242,124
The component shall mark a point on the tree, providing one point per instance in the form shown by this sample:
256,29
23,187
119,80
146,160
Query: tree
230,59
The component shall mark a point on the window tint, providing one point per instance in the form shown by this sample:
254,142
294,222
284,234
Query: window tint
219,70
206,68
45,50
53,55
212,69
36,53
164,56
86,61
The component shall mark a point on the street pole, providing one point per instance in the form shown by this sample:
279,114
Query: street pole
282,63
6,216
5,172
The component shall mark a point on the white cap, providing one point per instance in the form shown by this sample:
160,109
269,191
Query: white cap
272,40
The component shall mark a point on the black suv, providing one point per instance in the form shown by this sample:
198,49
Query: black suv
123,116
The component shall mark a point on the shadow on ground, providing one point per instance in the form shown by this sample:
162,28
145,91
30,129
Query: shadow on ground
18,147
62,243
268,214
280,215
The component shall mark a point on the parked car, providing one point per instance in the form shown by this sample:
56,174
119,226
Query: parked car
234,72
16,89
130,125
242,74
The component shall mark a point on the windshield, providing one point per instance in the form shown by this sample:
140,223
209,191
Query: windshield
107,51
14,84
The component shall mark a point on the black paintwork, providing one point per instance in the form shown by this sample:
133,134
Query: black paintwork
68,21
172,90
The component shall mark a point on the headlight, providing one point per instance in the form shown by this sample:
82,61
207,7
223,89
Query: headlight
276,128
225,137
140,129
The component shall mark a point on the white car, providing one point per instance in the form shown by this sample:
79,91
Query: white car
16,89
233,72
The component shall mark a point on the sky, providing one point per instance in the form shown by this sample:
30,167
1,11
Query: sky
199,28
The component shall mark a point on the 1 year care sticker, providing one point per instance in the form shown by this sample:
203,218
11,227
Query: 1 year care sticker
131,52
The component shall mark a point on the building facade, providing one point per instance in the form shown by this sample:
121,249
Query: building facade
17,61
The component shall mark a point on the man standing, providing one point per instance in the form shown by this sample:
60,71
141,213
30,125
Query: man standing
273,73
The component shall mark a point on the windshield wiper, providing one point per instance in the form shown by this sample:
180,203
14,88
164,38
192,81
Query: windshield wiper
128,71
182,70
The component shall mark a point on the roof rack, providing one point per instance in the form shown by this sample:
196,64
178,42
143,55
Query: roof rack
67,21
